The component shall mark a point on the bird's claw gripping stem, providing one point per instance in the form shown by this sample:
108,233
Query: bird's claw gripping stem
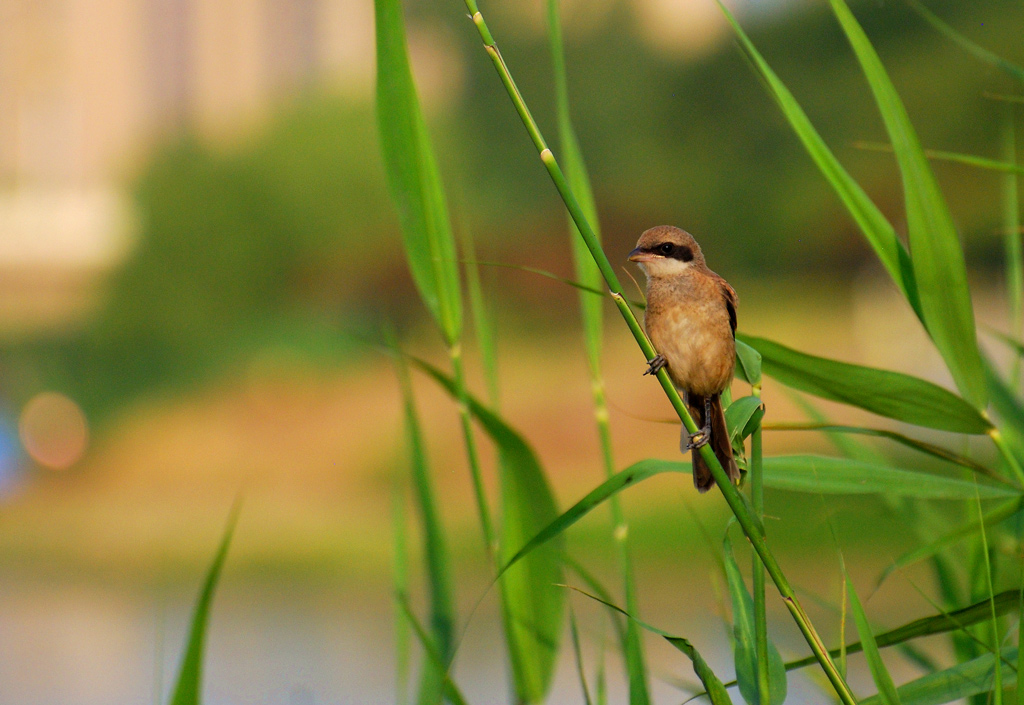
654,366
701,437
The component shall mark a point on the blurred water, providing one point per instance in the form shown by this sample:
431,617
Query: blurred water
90,644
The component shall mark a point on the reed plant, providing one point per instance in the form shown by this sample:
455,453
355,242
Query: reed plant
929,272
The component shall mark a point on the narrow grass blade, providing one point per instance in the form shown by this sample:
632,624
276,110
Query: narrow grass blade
412,175
891,394
532,605
581,672
435,552
713,685
936,254
879,232
189,686
437,663
887,694
961,681
926,448
954,621
969,46
939,155
971,528
744,642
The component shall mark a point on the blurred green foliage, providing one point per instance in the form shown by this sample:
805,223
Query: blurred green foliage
290,237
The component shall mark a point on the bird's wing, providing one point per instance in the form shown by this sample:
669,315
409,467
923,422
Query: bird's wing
731,301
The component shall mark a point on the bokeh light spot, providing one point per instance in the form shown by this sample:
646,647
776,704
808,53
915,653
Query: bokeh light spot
53,430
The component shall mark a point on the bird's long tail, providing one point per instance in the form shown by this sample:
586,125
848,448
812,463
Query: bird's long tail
703,480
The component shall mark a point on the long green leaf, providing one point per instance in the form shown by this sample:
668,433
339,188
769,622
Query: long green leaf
969,46
936,254
744,644
798,473
879,673
891,394
827,475
189,686
926,448
956,620
532,605
483,320
879,232
960,681
412,175
437,565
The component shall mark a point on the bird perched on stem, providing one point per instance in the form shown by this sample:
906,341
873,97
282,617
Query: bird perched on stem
691,320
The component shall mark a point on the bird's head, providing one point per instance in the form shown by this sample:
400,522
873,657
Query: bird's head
666,251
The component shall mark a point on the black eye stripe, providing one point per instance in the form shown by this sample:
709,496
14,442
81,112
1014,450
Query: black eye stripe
682,253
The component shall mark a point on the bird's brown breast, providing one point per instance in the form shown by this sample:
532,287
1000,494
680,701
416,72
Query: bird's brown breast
688,322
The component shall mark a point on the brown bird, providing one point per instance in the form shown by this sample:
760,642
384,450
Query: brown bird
691,320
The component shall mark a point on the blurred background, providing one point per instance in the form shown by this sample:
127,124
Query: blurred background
196,244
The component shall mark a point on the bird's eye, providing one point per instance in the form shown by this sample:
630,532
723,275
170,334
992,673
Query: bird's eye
666,248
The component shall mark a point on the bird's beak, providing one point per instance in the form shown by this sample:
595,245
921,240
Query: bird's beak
639,255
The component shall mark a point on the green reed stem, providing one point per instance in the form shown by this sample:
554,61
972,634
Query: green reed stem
751,526
760,613
472,457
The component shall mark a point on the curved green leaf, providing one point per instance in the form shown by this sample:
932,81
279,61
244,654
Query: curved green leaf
744,646
739,414
189,686
748,363
878,231
960,681
935,251
891,394
412,175
532,604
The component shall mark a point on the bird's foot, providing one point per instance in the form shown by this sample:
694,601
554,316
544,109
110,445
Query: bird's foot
699,439
654,366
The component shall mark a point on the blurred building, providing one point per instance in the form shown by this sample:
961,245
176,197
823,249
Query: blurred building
88,86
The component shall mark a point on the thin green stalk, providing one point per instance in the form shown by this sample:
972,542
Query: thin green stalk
751,526
1007,453
591,310
1012,239
998,675
760,615
472,457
